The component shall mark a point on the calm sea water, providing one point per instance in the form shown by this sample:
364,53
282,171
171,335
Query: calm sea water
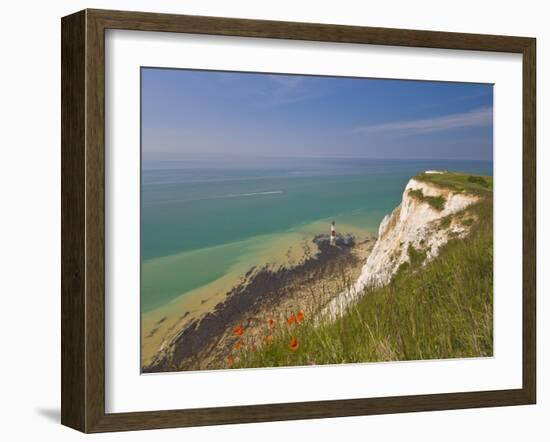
201,216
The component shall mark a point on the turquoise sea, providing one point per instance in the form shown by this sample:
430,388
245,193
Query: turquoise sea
202,218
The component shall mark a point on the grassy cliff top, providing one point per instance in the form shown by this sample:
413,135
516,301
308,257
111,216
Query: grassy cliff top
459,182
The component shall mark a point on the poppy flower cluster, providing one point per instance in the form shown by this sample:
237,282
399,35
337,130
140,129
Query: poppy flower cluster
295,318
238,331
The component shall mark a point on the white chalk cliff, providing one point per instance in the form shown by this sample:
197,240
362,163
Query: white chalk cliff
413,223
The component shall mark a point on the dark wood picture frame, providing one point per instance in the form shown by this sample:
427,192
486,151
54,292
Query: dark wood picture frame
83,220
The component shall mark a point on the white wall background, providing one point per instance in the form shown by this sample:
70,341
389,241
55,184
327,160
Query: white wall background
30,216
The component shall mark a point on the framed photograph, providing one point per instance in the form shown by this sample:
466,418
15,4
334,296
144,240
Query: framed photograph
269,220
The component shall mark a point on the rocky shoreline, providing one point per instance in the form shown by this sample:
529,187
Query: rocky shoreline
264,293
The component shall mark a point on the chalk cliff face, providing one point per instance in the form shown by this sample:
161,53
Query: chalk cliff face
414,225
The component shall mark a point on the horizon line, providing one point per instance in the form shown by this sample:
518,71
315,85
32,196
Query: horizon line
239,155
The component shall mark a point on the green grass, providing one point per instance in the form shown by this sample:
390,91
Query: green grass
482,181
445,222
437,202
460,182
416,256
443,309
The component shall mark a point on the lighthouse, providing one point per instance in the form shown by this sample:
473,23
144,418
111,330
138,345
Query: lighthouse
332,234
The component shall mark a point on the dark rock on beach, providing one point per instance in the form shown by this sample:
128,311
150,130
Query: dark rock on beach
323,241
204,337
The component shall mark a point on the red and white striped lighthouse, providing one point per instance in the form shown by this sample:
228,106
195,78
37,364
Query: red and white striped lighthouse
332,234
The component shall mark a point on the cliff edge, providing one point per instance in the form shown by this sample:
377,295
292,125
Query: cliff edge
415,231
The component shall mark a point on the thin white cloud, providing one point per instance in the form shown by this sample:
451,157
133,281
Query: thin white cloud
289,81
287,89
474,118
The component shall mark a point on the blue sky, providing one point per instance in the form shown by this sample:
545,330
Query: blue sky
187,112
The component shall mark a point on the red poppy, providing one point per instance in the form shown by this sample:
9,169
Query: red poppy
300,316
239,331
270,323
291,319
238,345
294,344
